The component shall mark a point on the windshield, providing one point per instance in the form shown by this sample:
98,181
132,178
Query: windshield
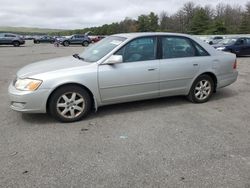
102,48
228,41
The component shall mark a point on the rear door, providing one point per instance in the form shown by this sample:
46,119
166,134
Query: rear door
242,47
180,62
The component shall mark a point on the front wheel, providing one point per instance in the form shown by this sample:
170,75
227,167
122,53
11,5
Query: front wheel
202,89
70,103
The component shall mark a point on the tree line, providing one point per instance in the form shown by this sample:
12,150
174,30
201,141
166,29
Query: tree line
191,18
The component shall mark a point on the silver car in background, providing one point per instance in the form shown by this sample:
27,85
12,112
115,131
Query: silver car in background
122,68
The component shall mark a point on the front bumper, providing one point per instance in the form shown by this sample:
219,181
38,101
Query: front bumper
28,101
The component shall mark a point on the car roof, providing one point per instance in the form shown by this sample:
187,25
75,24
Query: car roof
144,34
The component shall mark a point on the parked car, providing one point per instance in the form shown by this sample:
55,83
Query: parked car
97,38
214,40
44,39
11,39
29,37
122,68
237,45
76,39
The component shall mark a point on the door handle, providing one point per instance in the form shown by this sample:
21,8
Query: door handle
195,64
152,69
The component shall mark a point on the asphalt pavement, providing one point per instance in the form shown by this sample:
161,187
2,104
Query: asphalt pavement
166,142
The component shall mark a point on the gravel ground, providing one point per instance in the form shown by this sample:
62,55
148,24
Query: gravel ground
165,142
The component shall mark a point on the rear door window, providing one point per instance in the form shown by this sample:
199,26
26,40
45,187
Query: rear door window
177,47
248,41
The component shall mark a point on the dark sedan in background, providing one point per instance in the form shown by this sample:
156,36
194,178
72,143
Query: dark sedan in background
44,39
76,39
11,39
237,45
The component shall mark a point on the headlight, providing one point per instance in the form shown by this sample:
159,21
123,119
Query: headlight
27,84
221,48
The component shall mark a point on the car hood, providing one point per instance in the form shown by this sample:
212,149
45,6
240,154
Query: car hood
50,66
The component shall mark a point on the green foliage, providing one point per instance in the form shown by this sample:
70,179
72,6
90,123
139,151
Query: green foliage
245,23
217,28
200,22
147,23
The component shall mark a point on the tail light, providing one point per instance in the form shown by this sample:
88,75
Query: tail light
235,64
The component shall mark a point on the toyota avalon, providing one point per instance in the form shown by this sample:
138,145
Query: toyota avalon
122,68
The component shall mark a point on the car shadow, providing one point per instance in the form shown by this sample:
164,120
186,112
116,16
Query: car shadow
38,118
129,107
243,56
223,94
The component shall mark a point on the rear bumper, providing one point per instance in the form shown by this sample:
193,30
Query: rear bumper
27,101
226,80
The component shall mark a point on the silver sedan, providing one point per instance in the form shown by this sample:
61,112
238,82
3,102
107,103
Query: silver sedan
122,68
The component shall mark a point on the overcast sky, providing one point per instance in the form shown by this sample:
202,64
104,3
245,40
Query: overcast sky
73,14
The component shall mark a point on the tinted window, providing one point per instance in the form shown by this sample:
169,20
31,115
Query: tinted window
141,49
241,41
248,41
177,47
218,38
8,35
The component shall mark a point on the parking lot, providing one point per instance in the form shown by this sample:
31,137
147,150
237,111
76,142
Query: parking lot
166,142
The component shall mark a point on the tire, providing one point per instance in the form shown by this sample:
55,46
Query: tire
85,43
70,103
16,43
66,43
202,89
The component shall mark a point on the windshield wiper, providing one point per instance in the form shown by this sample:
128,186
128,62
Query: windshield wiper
78,57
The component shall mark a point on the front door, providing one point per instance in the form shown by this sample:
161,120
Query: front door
136,78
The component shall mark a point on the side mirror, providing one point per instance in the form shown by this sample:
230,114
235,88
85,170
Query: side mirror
114,59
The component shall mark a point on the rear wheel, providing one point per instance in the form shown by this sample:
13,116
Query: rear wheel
202,89
70,103
16,43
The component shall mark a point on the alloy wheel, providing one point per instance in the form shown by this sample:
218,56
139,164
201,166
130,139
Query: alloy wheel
202,89
70,105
